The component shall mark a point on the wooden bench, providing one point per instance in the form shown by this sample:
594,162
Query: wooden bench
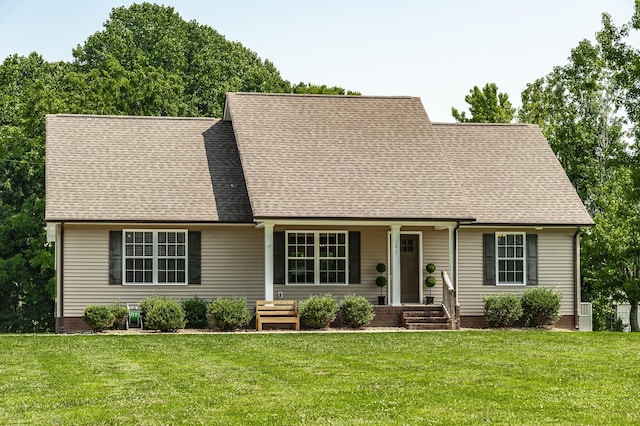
277,312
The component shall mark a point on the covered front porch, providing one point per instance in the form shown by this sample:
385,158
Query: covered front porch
305,257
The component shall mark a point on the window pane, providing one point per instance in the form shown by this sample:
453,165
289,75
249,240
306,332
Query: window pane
162,276
180,237
162,237
181,250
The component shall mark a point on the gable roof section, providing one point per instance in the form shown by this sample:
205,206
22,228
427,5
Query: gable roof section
119,168
510,174
308,156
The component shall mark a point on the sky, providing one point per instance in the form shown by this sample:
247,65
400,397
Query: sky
434,49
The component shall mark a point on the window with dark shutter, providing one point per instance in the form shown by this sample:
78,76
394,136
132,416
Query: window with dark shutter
115,257
195,257
279,266
489,259
532,259
354,257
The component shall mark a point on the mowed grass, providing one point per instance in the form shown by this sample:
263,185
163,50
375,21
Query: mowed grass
384,378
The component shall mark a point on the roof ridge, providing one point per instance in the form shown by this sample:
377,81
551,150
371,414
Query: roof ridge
443,123
319,95
134,117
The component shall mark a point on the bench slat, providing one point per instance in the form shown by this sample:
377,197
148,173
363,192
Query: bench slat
277,312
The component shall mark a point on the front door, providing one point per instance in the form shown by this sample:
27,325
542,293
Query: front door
409,268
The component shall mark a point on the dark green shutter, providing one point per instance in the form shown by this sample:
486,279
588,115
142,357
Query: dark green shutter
279,257
195,257
489,259
532,259
115,257
354,257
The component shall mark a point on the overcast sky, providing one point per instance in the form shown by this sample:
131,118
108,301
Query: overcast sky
436,50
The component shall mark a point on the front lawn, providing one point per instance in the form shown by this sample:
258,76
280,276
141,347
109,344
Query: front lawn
469,377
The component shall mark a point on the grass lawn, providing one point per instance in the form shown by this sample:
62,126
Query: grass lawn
468,377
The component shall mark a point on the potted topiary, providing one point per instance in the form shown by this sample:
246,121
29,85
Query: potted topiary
381,281
430,282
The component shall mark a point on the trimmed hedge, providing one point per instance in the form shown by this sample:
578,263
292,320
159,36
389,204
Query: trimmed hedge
503,310
318,311
195,312
357,311
99,317
228,313
540,306
162,313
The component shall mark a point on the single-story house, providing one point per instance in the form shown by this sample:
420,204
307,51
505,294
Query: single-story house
286,196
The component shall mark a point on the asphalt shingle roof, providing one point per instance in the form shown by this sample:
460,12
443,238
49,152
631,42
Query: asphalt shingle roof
342,157
304,156
117,168
510,174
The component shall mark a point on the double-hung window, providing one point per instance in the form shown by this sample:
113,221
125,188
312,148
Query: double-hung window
511,258
317,257
155,257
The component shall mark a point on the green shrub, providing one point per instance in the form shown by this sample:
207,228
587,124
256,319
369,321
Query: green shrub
540,306
99,317
120,314
503,310
318,311
617,325
162,313
195,312
228,313
357,311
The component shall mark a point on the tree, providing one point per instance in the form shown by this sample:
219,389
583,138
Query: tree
486,106
613,247
150,61
28,89
575,107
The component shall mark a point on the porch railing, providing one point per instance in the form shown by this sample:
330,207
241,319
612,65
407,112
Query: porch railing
449,299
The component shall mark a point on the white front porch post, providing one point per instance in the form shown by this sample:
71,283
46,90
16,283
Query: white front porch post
268,261
395,266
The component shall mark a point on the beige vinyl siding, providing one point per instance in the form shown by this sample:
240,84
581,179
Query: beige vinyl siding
555,268
374,250
436,251
232,265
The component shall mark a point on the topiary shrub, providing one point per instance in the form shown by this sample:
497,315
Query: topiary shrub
120,314
540,306
162,313
502,311
318,311
357,311
228,313
195,312
98,317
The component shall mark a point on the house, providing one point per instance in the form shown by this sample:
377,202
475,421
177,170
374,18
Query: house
292,195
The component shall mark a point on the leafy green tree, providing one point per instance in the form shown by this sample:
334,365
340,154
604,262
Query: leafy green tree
575,107
29,88
148,60
315,89
486,105
613,248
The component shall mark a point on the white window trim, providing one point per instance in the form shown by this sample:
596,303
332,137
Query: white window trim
155,257
316,257
524,259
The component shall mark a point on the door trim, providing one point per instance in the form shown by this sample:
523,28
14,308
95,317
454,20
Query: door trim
420,263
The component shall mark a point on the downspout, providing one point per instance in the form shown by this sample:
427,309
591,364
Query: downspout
455,260
576,277
61,283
